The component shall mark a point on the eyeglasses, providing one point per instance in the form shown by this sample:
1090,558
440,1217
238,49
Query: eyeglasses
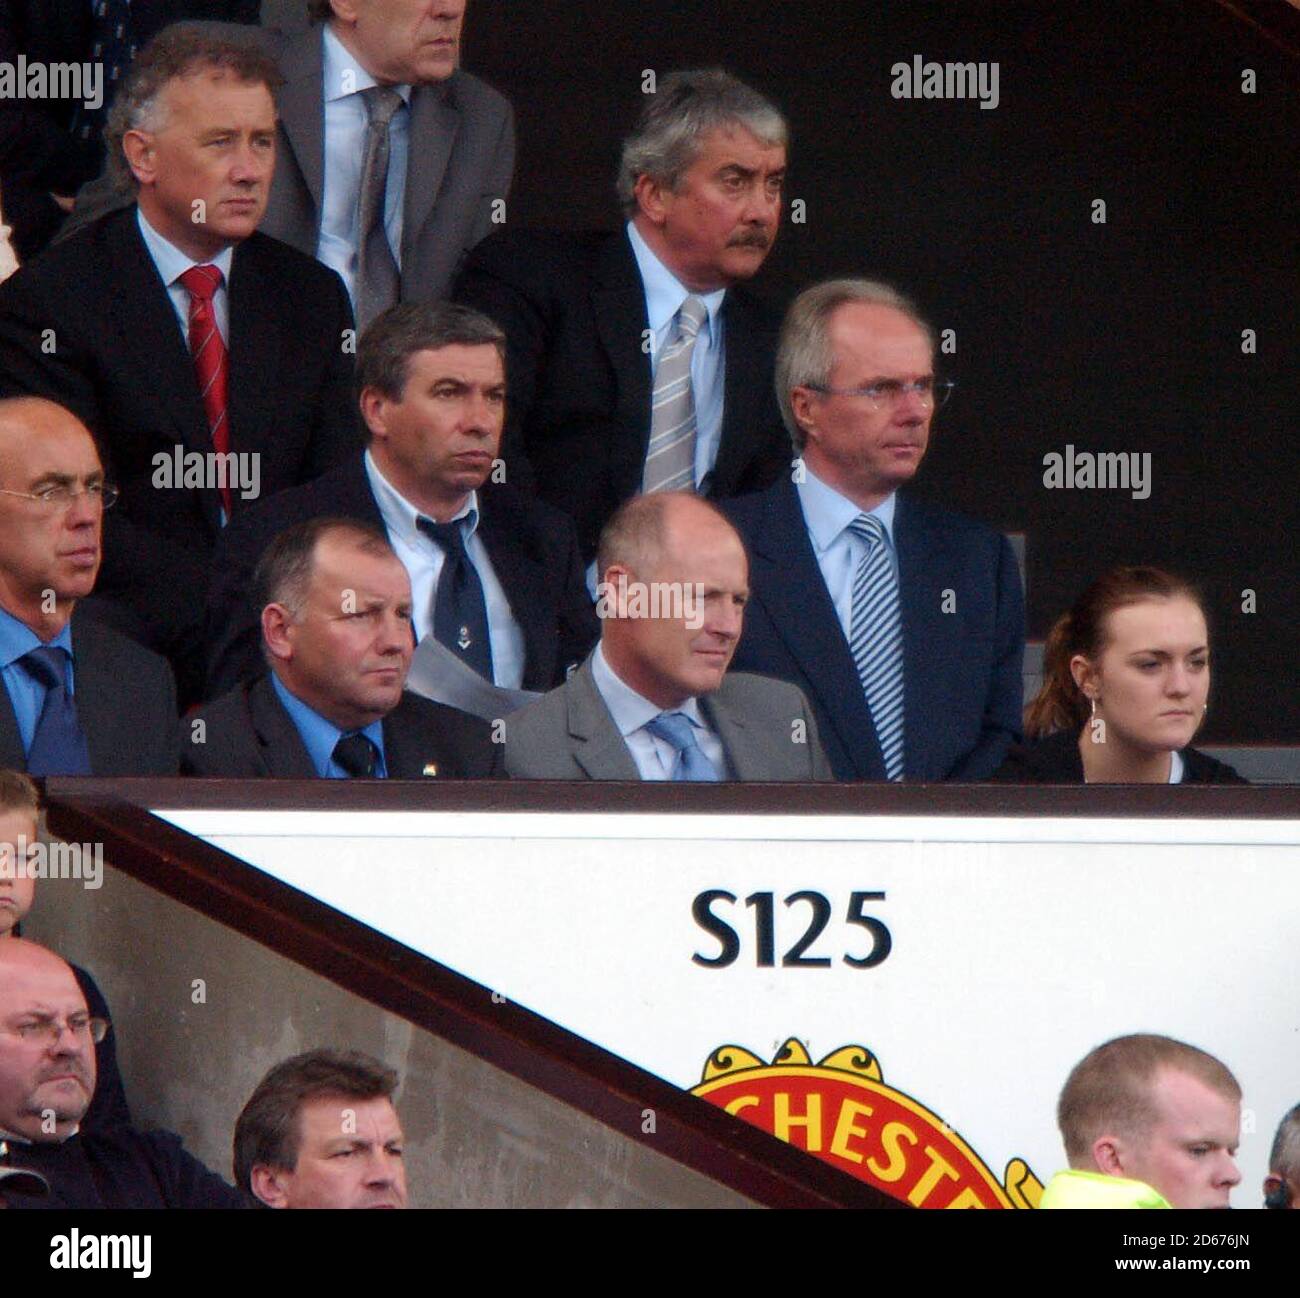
46,1029
62,495
889,392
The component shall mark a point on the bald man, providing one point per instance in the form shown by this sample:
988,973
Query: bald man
655,700
79,699
47,1080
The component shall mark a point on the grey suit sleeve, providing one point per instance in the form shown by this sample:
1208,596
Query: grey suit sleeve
821,766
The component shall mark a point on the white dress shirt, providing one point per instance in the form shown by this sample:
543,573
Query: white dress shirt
654,757
346,123
172,263
423,558
827,515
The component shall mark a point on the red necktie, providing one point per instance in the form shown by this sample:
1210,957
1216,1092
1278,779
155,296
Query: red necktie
211,365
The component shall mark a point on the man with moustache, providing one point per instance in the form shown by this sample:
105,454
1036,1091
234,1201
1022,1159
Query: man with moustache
637,360
47,1079
902,622
78,698
336,632
481,555
655,700
183,336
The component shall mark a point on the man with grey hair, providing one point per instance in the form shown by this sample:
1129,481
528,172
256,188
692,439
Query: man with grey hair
336,635
636,360
479,552
213,362
1282,1184
902,622
656,701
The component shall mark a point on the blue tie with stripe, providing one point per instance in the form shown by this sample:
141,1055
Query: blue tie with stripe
679,730
876,640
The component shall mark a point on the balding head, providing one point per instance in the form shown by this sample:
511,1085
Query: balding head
49,549
46,1084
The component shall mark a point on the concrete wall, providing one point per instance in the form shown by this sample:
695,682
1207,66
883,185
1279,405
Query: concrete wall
475,1136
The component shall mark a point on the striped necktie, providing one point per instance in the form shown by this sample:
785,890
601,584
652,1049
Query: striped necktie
670,456
211,362
378,281
876,640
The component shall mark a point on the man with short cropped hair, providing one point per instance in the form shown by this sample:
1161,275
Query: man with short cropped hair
320,1131
1282,1184
336,633
637,360
1148,1122
655,700
213,363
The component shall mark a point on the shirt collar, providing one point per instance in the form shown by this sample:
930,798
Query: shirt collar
402,519
318,734
17,638
828,513
343,76
664,292
629,709
171,262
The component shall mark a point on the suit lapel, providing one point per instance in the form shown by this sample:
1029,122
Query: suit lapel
97,692
925,625
618,304
789,584
744,392
12,756
524,581
597,746
435,122
302,113
743,761
255,338
279,743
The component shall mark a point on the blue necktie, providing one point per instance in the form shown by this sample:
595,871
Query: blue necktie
460,618
59,743
677,729
876,640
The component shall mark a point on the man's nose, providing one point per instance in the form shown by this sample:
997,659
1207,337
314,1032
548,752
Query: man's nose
394,634
1230,1173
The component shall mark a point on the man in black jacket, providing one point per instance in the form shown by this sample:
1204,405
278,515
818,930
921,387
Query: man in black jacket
336,627
636,361
47,1079
213,362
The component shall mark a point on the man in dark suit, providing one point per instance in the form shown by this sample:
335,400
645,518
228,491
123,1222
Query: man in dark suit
50,146
259,400
655,700
447,157
79,699
902,622
433,394
336,625
636,361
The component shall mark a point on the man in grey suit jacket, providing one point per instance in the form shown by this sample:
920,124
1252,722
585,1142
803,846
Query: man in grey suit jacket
455,133
78,698
654,701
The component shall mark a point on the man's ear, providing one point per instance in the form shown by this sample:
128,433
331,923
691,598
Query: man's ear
374,410
141,156
801,406
1108,1155
267,1183
650,195
276,621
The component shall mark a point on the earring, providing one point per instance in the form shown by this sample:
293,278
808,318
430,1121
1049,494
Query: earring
1094,705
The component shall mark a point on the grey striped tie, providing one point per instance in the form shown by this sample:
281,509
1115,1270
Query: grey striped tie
378,279
876,640
670,457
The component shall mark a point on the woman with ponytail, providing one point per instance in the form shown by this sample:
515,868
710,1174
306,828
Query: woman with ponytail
1126,682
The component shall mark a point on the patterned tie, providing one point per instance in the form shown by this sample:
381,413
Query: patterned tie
357,755
378,279
670,456
460,619
113,46
58,743
678,729
211,364
876,640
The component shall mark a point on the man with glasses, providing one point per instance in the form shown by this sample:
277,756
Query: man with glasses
47,1079
78,698
903,623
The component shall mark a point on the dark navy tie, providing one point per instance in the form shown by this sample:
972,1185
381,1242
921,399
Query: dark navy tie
113,46
460,618
59,743
357,755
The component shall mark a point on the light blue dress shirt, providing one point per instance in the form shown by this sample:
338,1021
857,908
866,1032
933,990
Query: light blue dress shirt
25,692
172,263
654,757
346,122
664,295
423,558
827,515
320,735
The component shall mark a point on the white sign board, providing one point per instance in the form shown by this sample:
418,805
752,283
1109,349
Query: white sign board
977,959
